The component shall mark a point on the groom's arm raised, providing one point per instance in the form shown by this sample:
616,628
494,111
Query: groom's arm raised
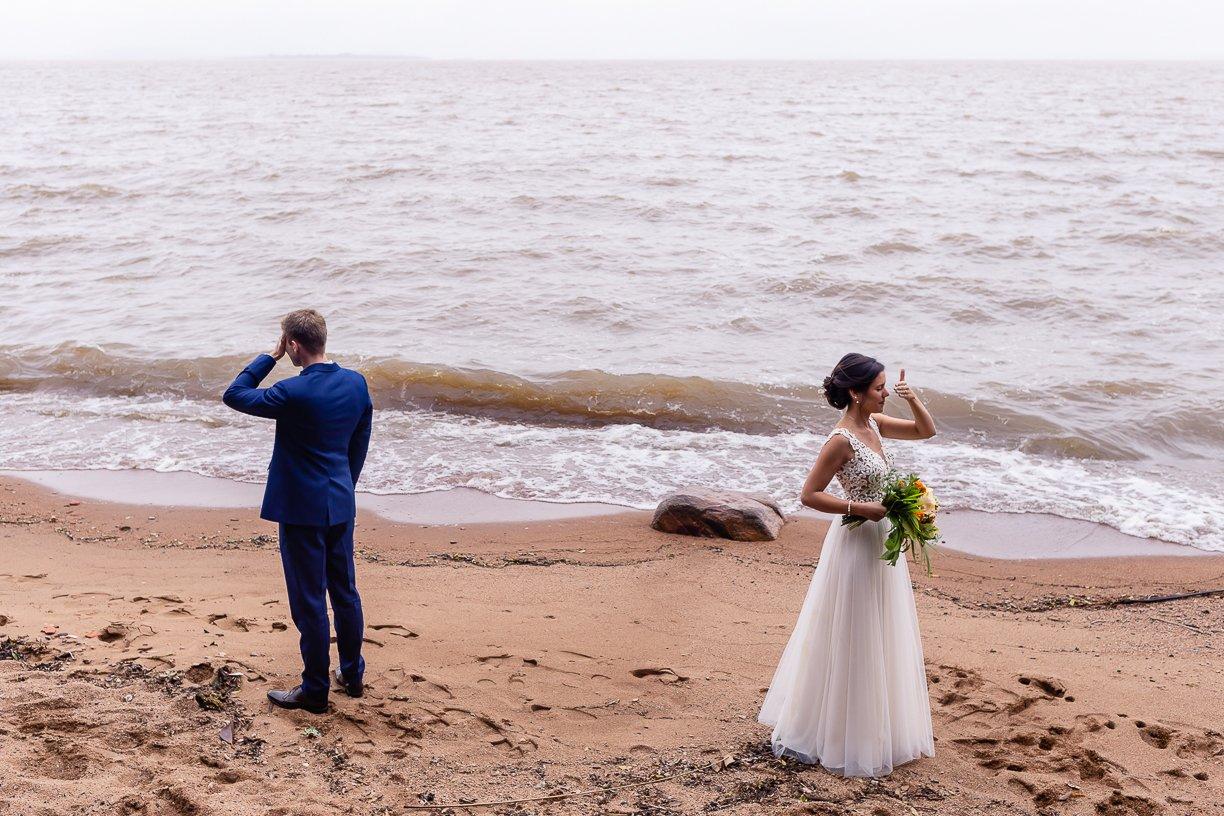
359,442
245,395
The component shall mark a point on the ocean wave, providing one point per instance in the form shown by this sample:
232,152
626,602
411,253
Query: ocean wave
823,214
375,173
1015,419
892,248
594,398
668,181
1029,175
973,315
970,245
629,465
1059,154
38,245
76,192
281,216
1173,237
960,239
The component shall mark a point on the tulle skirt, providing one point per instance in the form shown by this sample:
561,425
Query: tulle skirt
850,692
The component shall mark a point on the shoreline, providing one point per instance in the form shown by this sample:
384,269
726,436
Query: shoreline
1001,535
460,505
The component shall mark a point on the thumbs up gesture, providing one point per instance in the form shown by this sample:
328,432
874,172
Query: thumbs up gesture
901,388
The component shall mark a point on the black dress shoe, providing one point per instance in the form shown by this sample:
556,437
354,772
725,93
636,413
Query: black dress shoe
296,699
351,689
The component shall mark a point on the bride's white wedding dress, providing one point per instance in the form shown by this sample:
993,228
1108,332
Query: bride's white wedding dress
850,692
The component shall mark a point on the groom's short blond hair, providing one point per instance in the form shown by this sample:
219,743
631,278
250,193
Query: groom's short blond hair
308,328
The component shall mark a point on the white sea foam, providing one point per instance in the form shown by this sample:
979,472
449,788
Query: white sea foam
630,465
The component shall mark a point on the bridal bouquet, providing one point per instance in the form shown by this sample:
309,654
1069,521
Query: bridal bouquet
911,508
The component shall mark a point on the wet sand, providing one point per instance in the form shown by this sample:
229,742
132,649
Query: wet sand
518,659
181,489
992,535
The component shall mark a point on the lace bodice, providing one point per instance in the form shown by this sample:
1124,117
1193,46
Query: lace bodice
863,476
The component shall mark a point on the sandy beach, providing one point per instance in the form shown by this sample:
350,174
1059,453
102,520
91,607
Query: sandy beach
516,660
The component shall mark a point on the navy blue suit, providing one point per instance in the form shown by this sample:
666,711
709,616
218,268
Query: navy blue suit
323,419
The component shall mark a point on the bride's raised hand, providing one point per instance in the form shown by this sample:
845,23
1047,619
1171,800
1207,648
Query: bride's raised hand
901,388
922,426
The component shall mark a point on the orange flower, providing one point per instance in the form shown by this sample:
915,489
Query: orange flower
918,484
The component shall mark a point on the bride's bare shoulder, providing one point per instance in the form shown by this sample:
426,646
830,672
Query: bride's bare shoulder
837,445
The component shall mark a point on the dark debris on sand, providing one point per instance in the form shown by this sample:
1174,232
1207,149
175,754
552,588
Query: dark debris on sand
34,654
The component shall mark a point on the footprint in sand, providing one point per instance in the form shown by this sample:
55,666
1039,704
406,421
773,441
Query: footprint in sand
1018,738
1156,735
233,624
418,679
662,672
1092,723
199,673
1207,744
960,682
394,629
61,759
127,739
1049,685
163,604
1121,804
179,803
91,595
517,664
503,734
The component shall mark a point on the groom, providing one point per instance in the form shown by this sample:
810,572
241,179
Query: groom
322,433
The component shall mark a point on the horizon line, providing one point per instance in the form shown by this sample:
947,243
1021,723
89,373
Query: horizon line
423,58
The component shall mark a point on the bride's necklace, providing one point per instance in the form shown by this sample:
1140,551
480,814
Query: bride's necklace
855,427
862,430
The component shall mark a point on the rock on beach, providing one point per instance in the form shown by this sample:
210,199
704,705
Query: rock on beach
719,514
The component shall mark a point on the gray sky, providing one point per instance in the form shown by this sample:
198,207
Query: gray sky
616,29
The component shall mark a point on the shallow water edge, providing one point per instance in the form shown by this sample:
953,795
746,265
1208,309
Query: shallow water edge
1008,536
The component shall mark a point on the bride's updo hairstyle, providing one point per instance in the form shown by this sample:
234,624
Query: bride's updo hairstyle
855,371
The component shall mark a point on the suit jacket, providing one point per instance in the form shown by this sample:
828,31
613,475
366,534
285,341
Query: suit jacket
323,418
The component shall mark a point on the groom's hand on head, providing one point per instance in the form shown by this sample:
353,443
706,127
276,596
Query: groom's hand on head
279,351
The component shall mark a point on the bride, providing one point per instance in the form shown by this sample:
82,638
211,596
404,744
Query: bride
850,692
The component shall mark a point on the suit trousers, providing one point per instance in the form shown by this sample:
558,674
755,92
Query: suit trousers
318,562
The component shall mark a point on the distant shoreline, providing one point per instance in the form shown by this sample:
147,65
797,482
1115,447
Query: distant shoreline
626,60
341,56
